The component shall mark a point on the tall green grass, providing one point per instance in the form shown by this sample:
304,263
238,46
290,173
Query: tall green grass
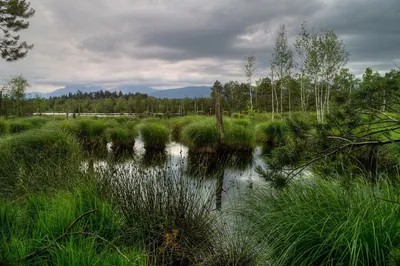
38,159
90,132
271,134
122,137
38,122
239,136
154,135
167,213
4,128
19,125
201,135
324,223
33,223
177,124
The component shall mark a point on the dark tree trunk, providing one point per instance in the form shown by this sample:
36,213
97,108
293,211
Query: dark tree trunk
218,115
218,192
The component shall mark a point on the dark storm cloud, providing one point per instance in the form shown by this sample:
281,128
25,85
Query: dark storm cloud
164,42
369,28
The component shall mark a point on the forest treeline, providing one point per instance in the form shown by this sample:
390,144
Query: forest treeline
235,97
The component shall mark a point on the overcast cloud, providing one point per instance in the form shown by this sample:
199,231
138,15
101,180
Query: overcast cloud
170,43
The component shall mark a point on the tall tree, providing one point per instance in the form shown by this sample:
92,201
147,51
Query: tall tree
282,62
302,45
17,87
13,18
250,68
334,56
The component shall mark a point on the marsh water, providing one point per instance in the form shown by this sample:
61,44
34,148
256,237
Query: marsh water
228,177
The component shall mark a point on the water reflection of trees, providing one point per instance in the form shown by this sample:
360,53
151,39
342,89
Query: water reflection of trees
154,159
214,166
211,165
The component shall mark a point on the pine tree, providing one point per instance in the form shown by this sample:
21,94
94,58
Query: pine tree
13,16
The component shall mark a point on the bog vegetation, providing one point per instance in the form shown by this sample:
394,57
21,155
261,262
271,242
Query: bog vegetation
72,191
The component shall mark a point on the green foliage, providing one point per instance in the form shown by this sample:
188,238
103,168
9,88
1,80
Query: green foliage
4,127
18,126
90,132
238,115
13,19
38,159
324,223
235,249
29,225
271,134
241,122
154,135
122,137
201,135
239,136
37,122
177,125
167,213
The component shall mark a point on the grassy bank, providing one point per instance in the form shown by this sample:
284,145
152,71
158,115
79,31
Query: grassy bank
39,230
324,223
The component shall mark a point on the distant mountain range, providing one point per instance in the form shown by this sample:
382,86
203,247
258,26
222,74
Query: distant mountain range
178,93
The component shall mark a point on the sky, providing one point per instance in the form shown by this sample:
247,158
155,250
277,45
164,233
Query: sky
175,43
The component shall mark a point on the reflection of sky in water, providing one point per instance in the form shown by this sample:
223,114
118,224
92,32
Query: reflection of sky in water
236,174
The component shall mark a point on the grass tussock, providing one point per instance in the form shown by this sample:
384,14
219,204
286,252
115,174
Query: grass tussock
324,223
167,214
239,136
122,137
177,124
38,159
18,126
89,132
4,128
201,135
155,136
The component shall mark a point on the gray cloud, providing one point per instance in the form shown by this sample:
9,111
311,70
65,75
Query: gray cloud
176,42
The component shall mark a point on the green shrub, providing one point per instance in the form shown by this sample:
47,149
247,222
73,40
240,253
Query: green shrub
4,128
19,126
154,135
324,223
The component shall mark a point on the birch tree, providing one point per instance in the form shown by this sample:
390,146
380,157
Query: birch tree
334,56
302,45
250,68
17,87
282,62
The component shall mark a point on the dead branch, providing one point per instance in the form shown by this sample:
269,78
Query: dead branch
40,251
